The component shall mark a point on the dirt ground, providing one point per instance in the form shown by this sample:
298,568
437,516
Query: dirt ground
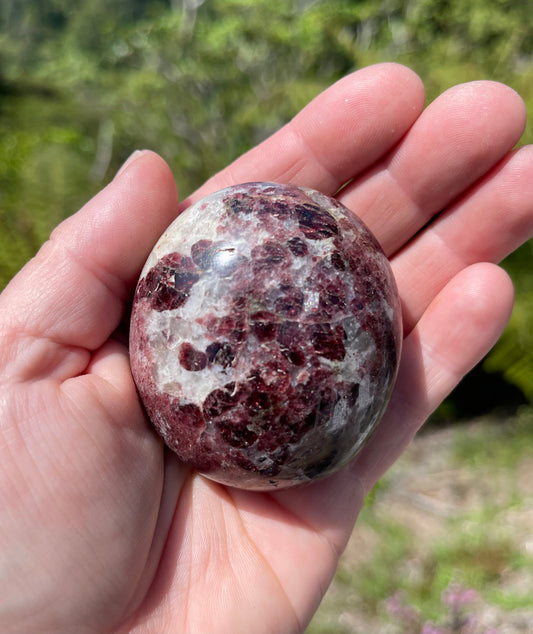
425,489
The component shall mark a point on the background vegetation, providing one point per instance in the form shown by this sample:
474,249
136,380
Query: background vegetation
200,81
443,545
83,84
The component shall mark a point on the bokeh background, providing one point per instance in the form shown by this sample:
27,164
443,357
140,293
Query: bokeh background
83,84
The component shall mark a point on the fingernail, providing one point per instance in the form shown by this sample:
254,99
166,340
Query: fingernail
131,159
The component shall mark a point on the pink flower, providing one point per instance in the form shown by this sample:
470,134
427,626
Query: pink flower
398,609
457,596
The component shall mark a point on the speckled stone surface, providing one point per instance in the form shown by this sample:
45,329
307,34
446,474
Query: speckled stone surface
265,335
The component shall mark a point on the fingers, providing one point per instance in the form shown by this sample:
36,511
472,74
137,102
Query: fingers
458,328
486,225
456,140
340,133
462,135
72,293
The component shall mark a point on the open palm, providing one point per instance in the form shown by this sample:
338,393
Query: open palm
101,529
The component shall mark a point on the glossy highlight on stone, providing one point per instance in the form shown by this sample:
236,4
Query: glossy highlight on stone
265,335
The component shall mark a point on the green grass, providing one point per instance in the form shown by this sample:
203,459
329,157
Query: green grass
379,578
496,445
476,546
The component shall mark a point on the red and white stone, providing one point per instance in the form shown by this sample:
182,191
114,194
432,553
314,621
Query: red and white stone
265,335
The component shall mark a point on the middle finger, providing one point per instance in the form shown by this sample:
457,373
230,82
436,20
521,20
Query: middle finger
455,141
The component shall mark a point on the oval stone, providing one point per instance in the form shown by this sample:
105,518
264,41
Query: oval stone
265,335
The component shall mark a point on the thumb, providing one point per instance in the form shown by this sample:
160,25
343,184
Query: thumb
71,296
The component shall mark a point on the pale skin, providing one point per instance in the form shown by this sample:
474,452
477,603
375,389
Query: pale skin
101,529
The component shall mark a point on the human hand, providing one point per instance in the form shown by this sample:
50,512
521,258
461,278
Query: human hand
101,528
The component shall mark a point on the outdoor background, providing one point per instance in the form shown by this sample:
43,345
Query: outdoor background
83,84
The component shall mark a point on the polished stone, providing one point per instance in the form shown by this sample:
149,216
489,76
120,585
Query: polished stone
265,335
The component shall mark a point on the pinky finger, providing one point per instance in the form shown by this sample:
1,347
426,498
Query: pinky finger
456,331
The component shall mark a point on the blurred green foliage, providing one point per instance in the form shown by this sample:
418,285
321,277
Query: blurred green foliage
200,81
456,510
